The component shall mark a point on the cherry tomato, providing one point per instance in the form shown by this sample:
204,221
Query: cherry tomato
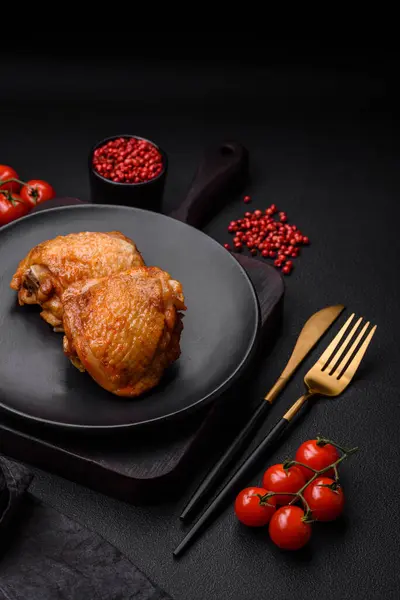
278,479
249,510
317,457
37,191
326,504
9,211
287,530
9,173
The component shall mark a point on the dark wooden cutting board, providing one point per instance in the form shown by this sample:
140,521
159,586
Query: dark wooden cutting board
137,467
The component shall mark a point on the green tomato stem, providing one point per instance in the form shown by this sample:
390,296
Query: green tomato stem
12,179
10,198
336,473
322,441
32,191
324,470
292,463
299,494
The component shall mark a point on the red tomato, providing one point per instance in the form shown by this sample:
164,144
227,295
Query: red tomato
317,457
9,173
287,530
37,191
250,511
9,211
278,479
325,504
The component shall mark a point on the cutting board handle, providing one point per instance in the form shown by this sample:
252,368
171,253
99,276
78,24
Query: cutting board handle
223,171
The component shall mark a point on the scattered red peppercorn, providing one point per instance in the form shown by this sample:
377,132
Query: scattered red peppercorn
128,160
270,236
247,199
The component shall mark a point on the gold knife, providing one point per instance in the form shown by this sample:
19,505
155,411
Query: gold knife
313,330
311,333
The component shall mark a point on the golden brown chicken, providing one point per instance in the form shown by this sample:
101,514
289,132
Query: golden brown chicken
124,330
52,266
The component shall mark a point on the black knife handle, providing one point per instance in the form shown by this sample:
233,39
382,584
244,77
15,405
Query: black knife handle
222,172
221,467
237,480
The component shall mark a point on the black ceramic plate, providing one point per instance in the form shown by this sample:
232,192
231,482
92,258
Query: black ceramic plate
38,382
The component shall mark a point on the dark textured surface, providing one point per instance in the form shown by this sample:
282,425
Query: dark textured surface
324,145
45,555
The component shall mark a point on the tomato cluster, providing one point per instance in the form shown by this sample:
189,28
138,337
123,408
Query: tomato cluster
308,480
17,197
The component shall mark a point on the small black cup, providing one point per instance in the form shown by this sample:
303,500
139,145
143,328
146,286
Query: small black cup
147,194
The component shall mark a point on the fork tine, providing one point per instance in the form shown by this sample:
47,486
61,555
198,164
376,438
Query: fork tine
355,363
345,344
324,358
342,363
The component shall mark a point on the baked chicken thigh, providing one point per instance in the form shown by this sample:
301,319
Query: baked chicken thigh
124,330
52,266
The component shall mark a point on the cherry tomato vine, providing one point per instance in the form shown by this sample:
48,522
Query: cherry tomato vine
299,495
18,197
312,481
32,192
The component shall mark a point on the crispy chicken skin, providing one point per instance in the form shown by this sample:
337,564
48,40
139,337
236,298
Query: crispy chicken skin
124,330
52,266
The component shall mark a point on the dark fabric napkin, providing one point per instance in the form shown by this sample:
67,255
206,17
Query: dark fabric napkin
44,555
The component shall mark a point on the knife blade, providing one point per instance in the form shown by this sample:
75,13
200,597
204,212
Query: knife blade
313,330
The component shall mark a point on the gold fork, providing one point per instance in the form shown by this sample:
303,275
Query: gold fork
330,376
323,379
